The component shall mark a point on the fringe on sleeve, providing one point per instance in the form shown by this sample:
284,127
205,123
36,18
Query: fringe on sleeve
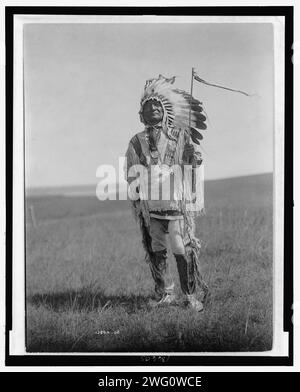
139,207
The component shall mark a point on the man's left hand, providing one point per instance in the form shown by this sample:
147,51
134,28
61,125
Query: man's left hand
188,153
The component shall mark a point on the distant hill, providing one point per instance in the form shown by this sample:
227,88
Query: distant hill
261,180
73,190
251,190
63,202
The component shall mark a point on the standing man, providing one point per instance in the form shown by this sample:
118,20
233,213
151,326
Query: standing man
165,177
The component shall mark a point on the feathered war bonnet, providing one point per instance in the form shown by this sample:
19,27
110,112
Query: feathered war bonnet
180,108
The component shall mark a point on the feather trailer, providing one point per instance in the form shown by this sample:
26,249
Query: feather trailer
196,136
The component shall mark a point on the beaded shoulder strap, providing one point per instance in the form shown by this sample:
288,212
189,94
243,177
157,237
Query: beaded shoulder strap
135,141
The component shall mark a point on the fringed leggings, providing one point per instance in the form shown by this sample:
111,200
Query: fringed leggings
159,231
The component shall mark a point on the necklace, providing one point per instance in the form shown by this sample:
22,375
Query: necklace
152,137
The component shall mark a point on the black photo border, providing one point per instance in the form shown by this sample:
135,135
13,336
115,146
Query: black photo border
137,360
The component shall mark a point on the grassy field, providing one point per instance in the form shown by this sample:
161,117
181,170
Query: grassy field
89,288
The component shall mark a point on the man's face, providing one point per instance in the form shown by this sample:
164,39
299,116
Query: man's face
152,112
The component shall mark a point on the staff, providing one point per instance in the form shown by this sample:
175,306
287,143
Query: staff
189,131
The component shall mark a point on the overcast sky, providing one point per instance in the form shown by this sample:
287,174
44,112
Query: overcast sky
84,82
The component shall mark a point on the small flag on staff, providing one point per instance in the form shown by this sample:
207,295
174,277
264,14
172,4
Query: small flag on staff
196,77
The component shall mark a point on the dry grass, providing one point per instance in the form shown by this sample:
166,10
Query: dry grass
89,289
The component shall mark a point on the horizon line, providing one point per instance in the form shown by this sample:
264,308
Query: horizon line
94,184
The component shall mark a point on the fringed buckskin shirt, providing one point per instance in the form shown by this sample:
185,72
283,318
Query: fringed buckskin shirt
169,195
